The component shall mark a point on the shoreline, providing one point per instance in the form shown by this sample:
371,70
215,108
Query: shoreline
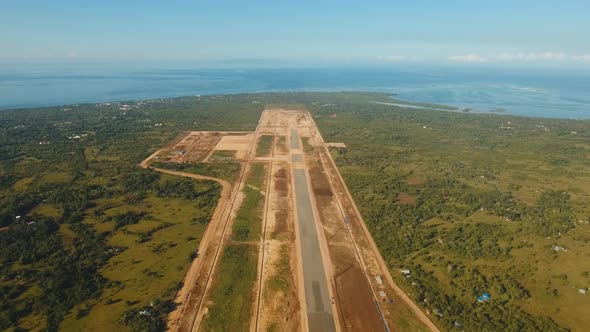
415,105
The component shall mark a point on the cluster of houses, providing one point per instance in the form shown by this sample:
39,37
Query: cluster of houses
7,228
77,136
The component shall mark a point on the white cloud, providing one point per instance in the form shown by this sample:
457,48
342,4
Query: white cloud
391,58
545,56
474,58
521,57
583,58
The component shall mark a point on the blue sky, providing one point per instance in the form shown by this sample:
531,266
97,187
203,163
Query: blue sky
342,32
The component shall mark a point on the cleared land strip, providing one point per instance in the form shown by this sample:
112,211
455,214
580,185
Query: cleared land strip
266,146
365,247
278,300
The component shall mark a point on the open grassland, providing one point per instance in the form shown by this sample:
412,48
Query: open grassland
232,293
233,289
473,204
307,147
248,223
264,145
223,156
155,253
221,170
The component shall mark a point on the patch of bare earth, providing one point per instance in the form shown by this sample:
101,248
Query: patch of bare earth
404,198
280,308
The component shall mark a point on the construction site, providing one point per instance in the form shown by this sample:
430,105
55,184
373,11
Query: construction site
310,263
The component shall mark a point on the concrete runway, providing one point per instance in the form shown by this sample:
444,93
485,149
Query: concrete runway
317,298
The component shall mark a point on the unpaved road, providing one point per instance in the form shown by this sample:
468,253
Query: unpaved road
189,292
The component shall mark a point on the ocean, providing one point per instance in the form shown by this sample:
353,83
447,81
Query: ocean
539,93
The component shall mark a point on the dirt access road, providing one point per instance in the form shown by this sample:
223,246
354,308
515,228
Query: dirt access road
191,291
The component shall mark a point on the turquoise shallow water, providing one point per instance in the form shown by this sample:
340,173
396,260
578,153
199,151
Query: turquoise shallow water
557,94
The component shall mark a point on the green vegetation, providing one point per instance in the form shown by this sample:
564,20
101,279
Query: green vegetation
226,171
280,281
307,147
232,293
88,239
248,223
264,145
223,156
472,204
469,203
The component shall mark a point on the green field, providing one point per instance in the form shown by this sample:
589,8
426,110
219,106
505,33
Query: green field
223,156
232,291
264,145
307,147
154,261
222,170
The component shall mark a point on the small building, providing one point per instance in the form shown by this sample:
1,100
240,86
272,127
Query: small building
583,291
405,272
483,298
379,280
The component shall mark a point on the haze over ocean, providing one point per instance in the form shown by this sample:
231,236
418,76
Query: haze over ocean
539,93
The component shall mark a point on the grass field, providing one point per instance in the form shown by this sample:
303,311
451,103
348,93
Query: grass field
264,145
233,293
224,170
145,270
248,223
223,156
307,147
280,281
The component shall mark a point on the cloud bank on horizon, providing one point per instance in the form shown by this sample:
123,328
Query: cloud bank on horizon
521,57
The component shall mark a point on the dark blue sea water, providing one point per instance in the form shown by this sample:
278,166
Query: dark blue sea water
541,93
